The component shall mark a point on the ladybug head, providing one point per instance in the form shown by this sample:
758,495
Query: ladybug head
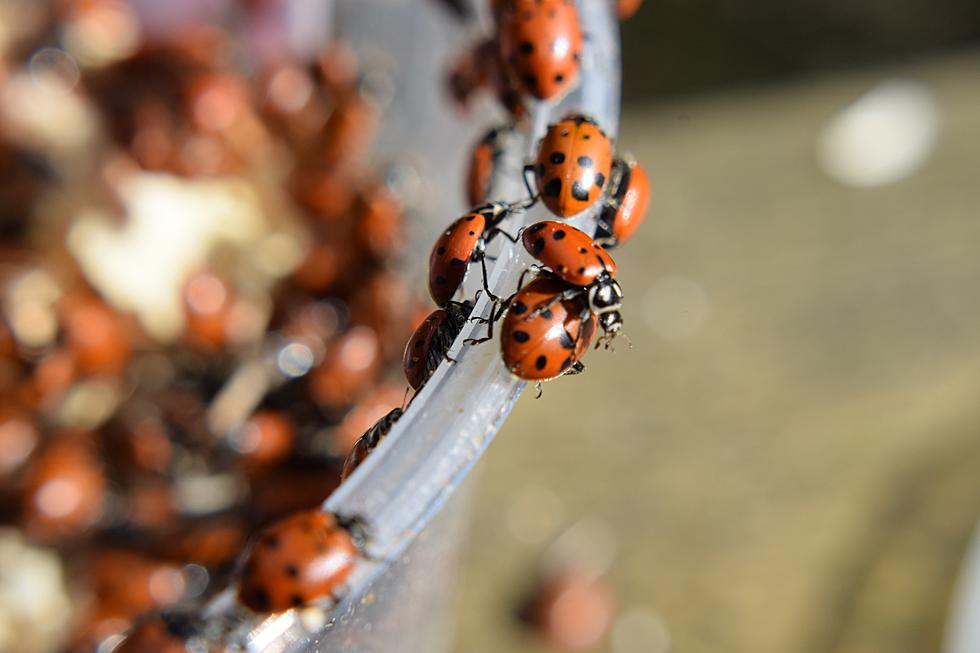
611,324
605,295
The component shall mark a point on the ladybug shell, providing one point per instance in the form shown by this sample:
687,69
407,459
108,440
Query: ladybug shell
541,44
630,203
482,163
626,8
571,254
153,636
543,346
574,159
417,348
451,256
296,561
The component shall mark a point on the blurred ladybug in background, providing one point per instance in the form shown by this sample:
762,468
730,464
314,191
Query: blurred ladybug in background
626,8
297,561
370,441
431,342
541,45
484,160
573,165
465,240
626,206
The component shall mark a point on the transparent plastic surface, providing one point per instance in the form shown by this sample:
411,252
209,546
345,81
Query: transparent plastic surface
397,598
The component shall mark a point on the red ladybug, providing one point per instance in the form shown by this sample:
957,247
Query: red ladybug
629,196
463,241
541,44
369,441
430,343
546,330
573,165
569,252
550,323
296,561
483,161
626,8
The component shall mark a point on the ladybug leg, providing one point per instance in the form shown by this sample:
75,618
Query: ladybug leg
498,230
486,284
496,312
532,198
576,368
538,390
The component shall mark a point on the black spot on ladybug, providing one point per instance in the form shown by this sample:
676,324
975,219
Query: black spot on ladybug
559,78
440,280
582,250
470,218
292,571
526,47
579,191
440,251
547,314
563,132
553,188
586,137
540,362
600,179
518,308
566,340
537,246
456,262
260,599
585,161
296,600
531,81
472,233
271,542
565,364
557,158
581,270
521,336
559,235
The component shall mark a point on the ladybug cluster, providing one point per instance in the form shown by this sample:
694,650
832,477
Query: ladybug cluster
144,435
547,324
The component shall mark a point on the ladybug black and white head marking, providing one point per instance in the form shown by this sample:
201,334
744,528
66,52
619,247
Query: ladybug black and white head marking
605,295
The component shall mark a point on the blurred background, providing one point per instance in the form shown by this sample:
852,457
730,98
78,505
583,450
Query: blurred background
209,263
787,459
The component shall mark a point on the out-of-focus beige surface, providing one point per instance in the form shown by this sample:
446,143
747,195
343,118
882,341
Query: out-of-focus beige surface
789,455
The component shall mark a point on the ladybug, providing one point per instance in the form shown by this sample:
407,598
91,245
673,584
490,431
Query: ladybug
431,342
484,160
573,165
298,560
541,45
369,441
626,8
463,241
583,264
546,330
626,207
